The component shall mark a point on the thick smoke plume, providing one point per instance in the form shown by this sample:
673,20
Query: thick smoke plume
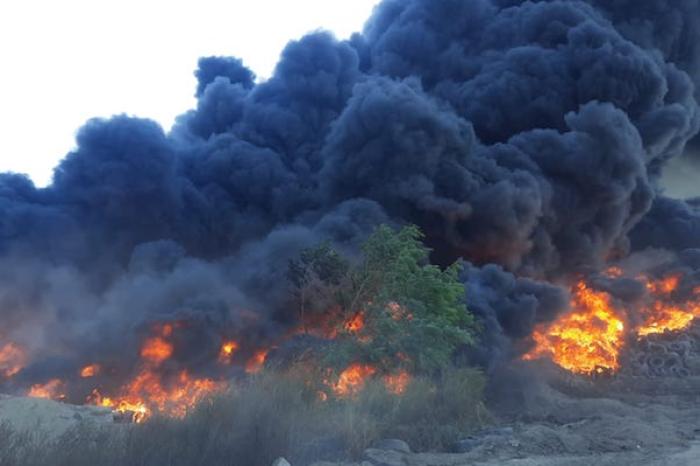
524,137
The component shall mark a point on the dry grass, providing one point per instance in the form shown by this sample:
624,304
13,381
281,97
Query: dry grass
272,415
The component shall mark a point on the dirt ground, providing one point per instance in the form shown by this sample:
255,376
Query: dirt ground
646,415
551,418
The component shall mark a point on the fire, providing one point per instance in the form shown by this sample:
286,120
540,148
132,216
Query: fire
53,389
12,360
662,317
352,380
665,286
148,391
156,350
227,350
356,323
397,383
90,371
665,319
153,389
139,412
257,362
587,340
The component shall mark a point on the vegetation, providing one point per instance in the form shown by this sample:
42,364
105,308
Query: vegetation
391,310
413,313
272,415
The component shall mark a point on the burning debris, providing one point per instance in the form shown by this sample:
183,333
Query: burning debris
525,139
592,336
588,339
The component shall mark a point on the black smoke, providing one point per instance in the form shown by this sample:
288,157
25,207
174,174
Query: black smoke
524,137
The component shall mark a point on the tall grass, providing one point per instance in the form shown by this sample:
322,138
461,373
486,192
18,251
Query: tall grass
272,415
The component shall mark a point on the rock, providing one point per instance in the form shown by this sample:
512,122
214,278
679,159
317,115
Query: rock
392,444
47,417
281,462
384,457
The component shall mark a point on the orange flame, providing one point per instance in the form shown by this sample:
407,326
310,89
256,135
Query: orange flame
12,360
356,323
352,380
587,340
661,317
139,411
149,392
665,319
90,371
53,389
257,362
665,286
156,350
227,350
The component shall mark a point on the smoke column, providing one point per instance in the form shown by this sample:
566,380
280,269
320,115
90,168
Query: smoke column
526,138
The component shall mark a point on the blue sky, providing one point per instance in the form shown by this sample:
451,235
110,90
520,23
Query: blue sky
67,61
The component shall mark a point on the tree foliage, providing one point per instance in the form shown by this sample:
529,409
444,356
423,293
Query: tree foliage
413,313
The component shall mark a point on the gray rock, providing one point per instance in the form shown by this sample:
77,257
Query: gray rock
281,462
392,444
385,457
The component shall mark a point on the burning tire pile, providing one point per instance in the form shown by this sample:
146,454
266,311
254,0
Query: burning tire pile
665,355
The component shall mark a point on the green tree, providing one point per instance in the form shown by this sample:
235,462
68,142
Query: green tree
413,313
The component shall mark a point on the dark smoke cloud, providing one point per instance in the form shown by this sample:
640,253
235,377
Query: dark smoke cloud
508,308
524,137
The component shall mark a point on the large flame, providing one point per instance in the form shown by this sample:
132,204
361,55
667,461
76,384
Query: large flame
147,393
587,340
590,338
159,385
151,390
